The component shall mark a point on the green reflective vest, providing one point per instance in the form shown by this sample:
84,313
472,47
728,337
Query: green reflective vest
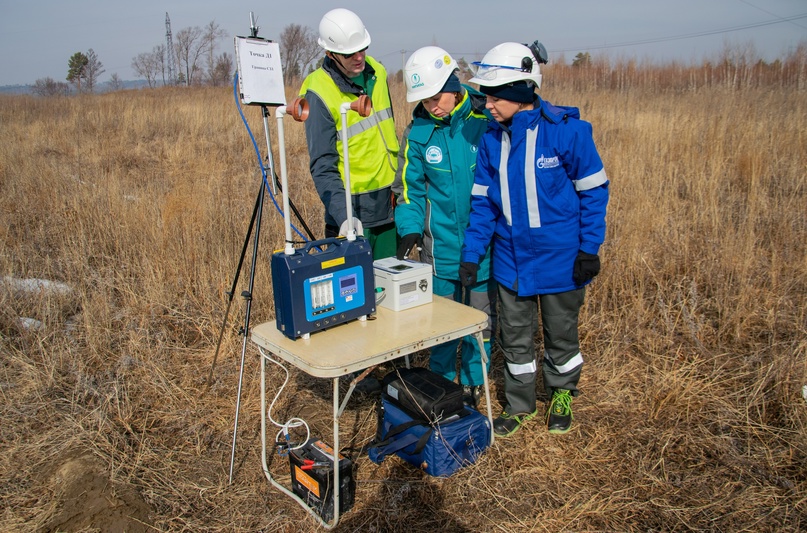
372,141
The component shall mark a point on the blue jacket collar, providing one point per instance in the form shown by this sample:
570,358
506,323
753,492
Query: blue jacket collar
543,111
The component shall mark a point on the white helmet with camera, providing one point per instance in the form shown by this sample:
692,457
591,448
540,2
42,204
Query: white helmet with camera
507,63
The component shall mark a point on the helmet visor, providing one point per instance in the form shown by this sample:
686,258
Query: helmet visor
488,72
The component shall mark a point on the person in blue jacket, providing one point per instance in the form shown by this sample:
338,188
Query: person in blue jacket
433,190
539,199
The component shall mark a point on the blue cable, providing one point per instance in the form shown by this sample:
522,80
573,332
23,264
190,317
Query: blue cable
258,153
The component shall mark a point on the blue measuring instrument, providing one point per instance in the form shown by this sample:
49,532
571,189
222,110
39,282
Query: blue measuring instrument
317,289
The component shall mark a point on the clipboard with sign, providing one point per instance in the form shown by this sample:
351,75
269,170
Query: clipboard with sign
260,74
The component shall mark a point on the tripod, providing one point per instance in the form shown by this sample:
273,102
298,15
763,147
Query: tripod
299,111
268,89
254,223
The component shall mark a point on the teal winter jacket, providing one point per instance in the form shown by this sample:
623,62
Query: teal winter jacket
434,181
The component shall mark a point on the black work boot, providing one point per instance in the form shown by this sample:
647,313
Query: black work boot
507,424
471,395
559,415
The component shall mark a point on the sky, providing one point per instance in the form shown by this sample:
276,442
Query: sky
37,37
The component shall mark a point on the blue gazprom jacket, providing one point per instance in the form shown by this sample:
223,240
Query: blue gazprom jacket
540,195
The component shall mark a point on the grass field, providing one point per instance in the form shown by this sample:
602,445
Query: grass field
692,418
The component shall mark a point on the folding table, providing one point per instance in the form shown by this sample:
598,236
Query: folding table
362,344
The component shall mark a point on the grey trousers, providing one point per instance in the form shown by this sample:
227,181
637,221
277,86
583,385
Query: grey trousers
562,361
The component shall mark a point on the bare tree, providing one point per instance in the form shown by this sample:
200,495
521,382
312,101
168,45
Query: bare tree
147,66
115,83
212,34
737,61
50,87
299,51
92,70
160,53
153,66
188,48
193,44
194,49
796,64
222,71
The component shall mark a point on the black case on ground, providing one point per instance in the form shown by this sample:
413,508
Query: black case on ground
422,394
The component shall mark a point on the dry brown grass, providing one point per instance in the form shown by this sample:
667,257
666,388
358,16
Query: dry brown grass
695,334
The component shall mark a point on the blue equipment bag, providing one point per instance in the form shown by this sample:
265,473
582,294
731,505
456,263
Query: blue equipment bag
439,449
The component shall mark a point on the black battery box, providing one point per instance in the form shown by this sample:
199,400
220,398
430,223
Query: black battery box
312,478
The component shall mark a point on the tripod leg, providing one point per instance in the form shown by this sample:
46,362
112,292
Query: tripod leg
231,294
248,296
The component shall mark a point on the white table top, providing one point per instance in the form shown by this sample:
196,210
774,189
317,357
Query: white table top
357,345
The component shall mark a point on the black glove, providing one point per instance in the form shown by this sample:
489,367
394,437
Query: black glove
586,266
408,242
468,274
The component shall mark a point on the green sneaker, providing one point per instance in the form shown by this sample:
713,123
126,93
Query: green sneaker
559,415
507,424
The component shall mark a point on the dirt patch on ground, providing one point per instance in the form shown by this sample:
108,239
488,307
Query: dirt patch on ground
86,500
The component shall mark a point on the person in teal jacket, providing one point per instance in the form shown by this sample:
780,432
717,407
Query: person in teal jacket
433,190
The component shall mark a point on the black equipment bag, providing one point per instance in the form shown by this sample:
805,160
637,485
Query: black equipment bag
422,394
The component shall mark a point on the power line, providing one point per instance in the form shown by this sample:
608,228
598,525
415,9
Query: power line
686,35
705,33
770,13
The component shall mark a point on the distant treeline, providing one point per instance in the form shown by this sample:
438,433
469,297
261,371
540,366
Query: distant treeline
733,69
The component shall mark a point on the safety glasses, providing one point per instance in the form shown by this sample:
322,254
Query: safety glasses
485,71
348,56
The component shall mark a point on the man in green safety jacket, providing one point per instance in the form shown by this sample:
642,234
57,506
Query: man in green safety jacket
347,72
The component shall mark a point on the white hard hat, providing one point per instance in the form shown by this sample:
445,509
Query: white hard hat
343,32
507,63
426,71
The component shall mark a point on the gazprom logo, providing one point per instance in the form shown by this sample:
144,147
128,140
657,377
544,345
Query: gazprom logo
547,162
433,154
416,82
